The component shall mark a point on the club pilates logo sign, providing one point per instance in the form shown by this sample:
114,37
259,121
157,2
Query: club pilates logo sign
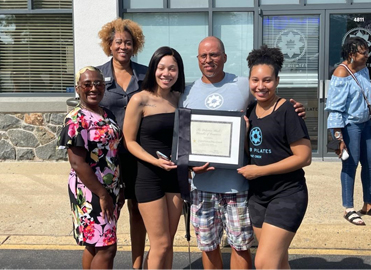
292,43
359,32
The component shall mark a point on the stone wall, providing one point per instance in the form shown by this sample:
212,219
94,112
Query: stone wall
31,136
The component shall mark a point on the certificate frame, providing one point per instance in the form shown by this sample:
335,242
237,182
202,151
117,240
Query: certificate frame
216,137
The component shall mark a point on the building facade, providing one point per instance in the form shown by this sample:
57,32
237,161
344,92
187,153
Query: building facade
43,42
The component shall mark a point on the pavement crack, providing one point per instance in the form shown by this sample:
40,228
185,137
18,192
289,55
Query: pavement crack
5,240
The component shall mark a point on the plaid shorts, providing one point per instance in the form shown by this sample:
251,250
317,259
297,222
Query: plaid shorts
213,212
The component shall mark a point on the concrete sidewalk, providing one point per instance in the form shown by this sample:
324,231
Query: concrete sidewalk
35,210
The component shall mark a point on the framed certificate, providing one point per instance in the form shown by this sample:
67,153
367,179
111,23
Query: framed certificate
210,136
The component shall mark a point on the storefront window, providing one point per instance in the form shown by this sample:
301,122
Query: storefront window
143,4
237,38
234,3
36,53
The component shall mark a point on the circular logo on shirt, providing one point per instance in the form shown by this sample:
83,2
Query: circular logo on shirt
214,101
256,136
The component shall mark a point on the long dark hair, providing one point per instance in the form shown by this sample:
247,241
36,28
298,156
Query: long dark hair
266,56
351,45
149,82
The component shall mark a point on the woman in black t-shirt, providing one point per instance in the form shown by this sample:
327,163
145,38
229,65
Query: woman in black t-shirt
279,147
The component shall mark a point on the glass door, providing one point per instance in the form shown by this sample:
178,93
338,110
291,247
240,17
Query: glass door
298,37
341,26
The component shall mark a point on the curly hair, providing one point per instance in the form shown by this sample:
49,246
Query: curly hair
107,33
266,56
351,45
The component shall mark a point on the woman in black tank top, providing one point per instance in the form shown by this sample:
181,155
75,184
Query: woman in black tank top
148,128
279,147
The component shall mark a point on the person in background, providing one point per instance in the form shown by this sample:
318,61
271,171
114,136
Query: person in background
123,39
219,200
349,120
279,147
91,137
148,128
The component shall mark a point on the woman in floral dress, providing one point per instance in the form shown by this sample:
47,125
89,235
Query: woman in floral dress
91,137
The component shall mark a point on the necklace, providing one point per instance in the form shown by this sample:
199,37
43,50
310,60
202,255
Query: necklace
262,112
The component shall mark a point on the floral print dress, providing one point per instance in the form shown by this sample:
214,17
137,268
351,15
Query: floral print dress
100,136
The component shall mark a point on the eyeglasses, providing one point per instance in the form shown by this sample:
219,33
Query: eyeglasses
365,53
89,85
213,56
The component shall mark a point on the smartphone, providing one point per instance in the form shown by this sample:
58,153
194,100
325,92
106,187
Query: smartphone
161,155
344,154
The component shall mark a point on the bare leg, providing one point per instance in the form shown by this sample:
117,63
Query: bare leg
273,247
137,234
174,206
241,259
155,217
87,257
104,257
212,259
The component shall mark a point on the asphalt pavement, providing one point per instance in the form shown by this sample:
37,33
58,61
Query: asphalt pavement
35,212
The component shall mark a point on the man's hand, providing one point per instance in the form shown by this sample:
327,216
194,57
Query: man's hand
299,108
202,169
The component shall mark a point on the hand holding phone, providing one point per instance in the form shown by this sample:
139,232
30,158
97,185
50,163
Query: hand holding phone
161,155
344,154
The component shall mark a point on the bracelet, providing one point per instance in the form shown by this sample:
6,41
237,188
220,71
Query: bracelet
122,185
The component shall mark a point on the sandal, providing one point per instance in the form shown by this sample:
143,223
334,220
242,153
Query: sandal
365,213
352,216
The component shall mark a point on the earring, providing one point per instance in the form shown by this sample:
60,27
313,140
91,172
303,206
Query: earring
351,60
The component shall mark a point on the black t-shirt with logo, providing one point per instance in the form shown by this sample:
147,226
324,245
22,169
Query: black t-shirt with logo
269,142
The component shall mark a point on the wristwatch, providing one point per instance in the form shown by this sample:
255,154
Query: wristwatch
338,135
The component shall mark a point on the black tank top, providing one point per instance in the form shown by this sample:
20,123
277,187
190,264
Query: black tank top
156,134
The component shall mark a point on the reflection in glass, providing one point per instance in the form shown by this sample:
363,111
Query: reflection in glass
189,4
234,3
275,2
182,31
298,39
326,1
18,4
30,59
143,4
235,29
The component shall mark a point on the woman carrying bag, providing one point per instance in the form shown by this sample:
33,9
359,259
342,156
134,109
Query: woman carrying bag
349,120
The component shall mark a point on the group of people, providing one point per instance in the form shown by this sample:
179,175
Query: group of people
112,144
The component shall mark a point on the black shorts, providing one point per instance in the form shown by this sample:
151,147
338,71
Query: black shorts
128,173
153,182
283,211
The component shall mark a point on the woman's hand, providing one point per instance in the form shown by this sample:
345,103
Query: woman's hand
342,146
107,206
167,165
203,169
250,172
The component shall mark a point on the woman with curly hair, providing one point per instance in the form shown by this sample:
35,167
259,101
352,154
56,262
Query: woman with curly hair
122,39
349,119
279,147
